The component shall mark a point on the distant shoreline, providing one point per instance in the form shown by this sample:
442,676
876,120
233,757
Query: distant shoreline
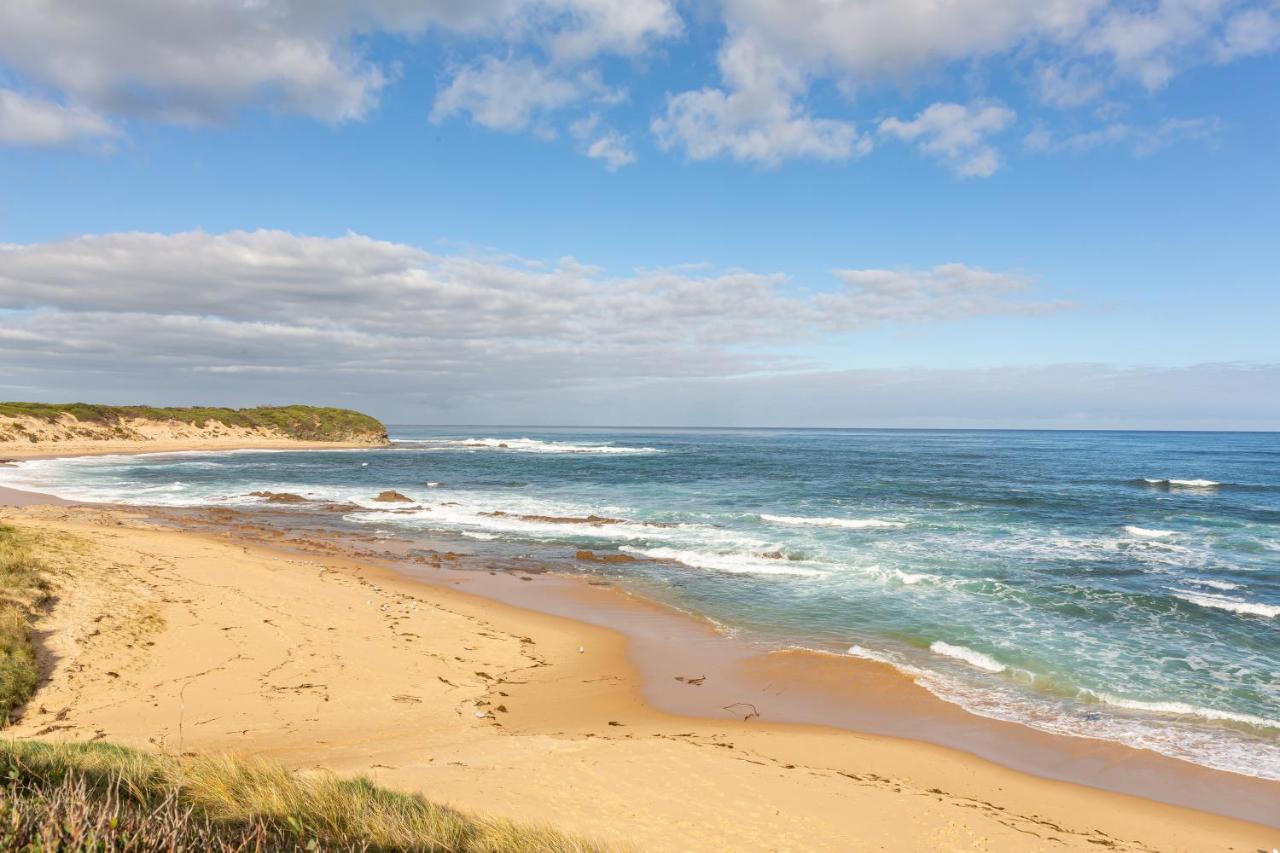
54,450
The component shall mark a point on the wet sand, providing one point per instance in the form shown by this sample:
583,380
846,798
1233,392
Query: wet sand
184,641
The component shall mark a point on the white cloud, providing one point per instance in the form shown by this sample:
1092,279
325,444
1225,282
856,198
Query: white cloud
603,143
756,118
512,95
25,120
1078,49
202,60
1068,85
1141,140
613,149
624,27
534,64
1249,33
247,317
957,134
271,301
947,290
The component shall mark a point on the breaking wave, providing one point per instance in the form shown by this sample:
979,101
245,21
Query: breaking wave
521,445
1181,484
746,564
1146,532
847,523
1181,709
968,655
1234,605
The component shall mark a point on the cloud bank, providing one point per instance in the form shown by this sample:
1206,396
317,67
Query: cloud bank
81,69
245,317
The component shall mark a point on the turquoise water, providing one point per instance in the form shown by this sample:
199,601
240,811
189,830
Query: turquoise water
1115,585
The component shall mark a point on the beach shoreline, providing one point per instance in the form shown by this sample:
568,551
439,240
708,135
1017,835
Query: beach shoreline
321,661
810,688
10,451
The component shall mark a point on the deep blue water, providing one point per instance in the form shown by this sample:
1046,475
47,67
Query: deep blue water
1116,585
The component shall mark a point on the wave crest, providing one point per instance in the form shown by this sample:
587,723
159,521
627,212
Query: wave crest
1234,605
733,563
968,655
1181,709
520,445
847,523
1147,532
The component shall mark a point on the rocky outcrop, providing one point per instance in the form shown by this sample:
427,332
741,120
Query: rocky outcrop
391,496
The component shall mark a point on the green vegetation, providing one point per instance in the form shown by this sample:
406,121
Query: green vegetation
94,796
307,423
23,591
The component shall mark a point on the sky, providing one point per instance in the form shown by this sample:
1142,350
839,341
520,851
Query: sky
898,213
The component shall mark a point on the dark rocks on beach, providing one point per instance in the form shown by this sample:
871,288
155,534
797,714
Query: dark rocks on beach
279,497
392,496
341,507
593,557
594,520
773,555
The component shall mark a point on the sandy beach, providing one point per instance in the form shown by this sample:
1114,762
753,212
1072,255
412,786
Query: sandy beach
184,641
105,447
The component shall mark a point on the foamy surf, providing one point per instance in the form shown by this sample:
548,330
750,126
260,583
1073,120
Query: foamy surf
1225,586
1181,709
1233,605
734,563
521,445
846,523
1182,484
968,655
1147,532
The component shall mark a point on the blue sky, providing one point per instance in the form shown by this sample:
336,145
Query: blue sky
1056,188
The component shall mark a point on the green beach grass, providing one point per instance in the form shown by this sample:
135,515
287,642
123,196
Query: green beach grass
95,796
23,592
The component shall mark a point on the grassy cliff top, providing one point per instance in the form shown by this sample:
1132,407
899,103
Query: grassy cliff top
306,423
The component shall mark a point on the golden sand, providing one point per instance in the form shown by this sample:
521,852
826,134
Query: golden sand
190,642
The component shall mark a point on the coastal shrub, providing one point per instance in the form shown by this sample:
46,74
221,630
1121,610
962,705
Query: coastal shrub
98,796
306,423
23,590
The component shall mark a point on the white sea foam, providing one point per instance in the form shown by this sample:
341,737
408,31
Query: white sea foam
746,564
1182,709
913,578
848,523
521,445
968,655
1235,605
1146,532
519,523
1184,484
869,654
1213,584
1144,730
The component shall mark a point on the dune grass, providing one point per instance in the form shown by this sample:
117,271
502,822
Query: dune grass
307,423
23,591
98,796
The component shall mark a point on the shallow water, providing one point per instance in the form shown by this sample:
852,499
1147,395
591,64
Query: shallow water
1115,585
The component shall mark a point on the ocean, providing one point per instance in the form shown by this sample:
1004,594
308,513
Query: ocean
1114,585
